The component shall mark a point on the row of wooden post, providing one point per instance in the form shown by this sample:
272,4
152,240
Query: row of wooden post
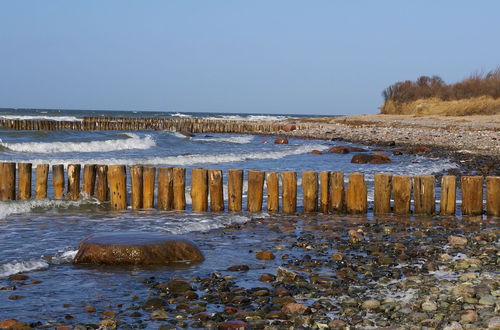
324,191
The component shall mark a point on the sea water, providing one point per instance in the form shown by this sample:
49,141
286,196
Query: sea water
40,237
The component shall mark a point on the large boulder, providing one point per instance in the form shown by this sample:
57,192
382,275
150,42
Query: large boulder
376,158
136,248
289,127
344,149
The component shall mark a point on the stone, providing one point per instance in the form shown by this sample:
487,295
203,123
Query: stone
336,324
265,255
287,275
429,306
12,324
233,325
469,317
267,277
289,127
159,315
174,286
294,308
238,268
153,303
487,300
371,304
136,248
315,152
453,326
457,241
344,149
18,277
376,158
494,323
186,133
90,309
281,141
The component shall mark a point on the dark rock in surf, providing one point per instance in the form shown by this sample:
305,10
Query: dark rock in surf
136,248
186,133
344,150
376,158
281,141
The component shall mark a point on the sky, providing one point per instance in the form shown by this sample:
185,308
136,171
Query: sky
260,56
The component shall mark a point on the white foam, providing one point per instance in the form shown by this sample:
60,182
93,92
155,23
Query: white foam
186,160
15,267
243,139
27,117
19,207
133,142
249,117
181,115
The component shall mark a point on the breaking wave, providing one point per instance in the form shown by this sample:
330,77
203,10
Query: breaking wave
55,118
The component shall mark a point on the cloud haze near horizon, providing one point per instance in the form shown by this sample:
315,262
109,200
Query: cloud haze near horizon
287,56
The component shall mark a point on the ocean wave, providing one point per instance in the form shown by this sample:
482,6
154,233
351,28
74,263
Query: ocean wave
18,207
133,142
54,118
249,117
243,139
23,266
187,160
181,115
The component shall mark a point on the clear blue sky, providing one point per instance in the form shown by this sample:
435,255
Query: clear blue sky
302,57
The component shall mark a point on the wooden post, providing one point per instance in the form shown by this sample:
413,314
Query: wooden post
24,183
136,180
74,181
199,189
7,181
165,188
324,179
148,186
179,187
310,191
472,195
101,189
235,190
58,180
273,198
337,193
356,194
448,195
255,190
89,175
117,179
401,188
382,193
42,175
289,192
424,195
216,190
493,196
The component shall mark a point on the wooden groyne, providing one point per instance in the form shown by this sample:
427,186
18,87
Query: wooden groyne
196,125
325,192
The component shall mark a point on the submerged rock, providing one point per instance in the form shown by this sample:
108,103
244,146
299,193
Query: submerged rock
136,248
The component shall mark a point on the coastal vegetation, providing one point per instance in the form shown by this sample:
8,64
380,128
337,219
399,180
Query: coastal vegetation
479,94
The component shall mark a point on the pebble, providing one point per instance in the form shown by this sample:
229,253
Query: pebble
487,300
494,323
159,315
371,304
265,255
457,241
469,317
429,306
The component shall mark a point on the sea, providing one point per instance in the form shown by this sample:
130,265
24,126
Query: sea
39,238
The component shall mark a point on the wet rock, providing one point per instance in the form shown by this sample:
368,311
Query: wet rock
457,241
233,325
109,324
287,275
294,308
186,133
316,152
281,141
18,277
16,297
376,158
371,304
136,248
238,268
90,309
154,303
13,324
265,255
267,277
289,127
159,315
344,149
174,286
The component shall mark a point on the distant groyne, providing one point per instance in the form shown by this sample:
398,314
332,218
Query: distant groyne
164,188
195,125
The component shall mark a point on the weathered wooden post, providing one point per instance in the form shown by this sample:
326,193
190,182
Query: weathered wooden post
472,195
401,188
101,190
424,195
117,179
199,189
324,179
272,185
179,187
337,193
310,191
289,192
356,194
148,186
74,181
382,193
7,181
216,190
235,190
165,188
42,176
89,175
493,196
255,190
448,195
136,180
24,181
58,180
